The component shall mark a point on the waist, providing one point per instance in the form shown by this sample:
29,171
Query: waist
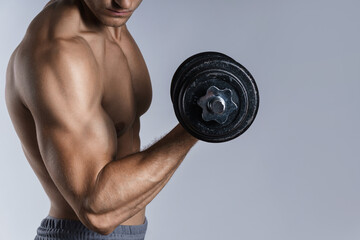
64,211
54,228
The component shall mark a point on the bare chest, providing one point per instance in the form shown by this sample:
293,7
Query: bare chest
126,85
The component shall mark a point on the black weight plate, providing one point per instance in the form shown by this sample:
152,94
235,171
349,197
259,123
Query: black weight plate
190,63
208,126
191,81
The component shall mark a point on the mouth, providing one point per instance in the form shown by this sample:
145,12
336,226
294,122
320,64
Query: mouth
121,13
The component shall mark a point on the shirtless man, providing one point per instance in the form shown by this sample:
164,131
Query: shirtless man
76,87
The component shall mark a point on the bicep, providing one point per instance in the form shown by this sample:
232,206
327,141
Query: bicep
74,152
76,137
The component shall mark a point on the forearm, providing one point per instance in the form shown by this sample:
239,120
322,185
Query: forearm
127,185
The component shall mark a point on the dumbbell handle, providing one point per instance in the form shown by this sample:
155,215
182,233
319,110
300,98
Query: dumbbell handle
217,105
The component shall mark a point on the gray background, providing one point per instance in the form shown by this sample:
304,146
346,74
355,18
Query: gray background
293,175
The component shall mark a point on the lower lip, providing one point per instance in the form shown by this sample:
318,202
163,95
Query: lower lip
121,14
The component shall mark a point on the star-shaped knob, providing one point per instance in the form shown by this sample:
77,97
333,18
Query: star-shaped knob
217,104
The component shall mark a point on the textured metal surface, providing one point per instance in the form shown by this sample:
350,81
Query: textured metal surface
192,80
217,105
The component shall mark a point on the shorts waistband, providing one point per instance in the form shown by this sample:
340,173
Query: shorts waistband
53,228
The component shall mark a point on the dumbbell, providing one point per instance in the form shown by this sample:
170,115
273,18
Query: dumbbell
215,98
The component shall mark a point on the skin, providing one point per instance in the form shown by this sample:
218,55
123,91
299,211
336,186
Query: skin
76,87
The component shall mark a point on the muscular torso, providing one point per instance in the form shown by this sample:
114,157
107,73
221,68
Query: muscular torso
126,91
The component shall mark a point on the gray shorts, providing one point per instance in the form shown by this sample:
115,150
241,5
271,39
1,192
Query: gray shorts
65,229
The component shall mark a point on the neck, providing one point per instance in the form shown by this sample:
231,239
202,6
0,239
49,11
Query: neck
87,16
115,32
92,22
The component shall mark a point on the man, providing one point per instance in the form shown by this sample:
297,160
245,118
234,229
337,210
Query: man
76,87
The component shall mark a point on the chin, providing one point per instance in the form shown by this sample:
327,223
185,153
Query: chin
114,22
